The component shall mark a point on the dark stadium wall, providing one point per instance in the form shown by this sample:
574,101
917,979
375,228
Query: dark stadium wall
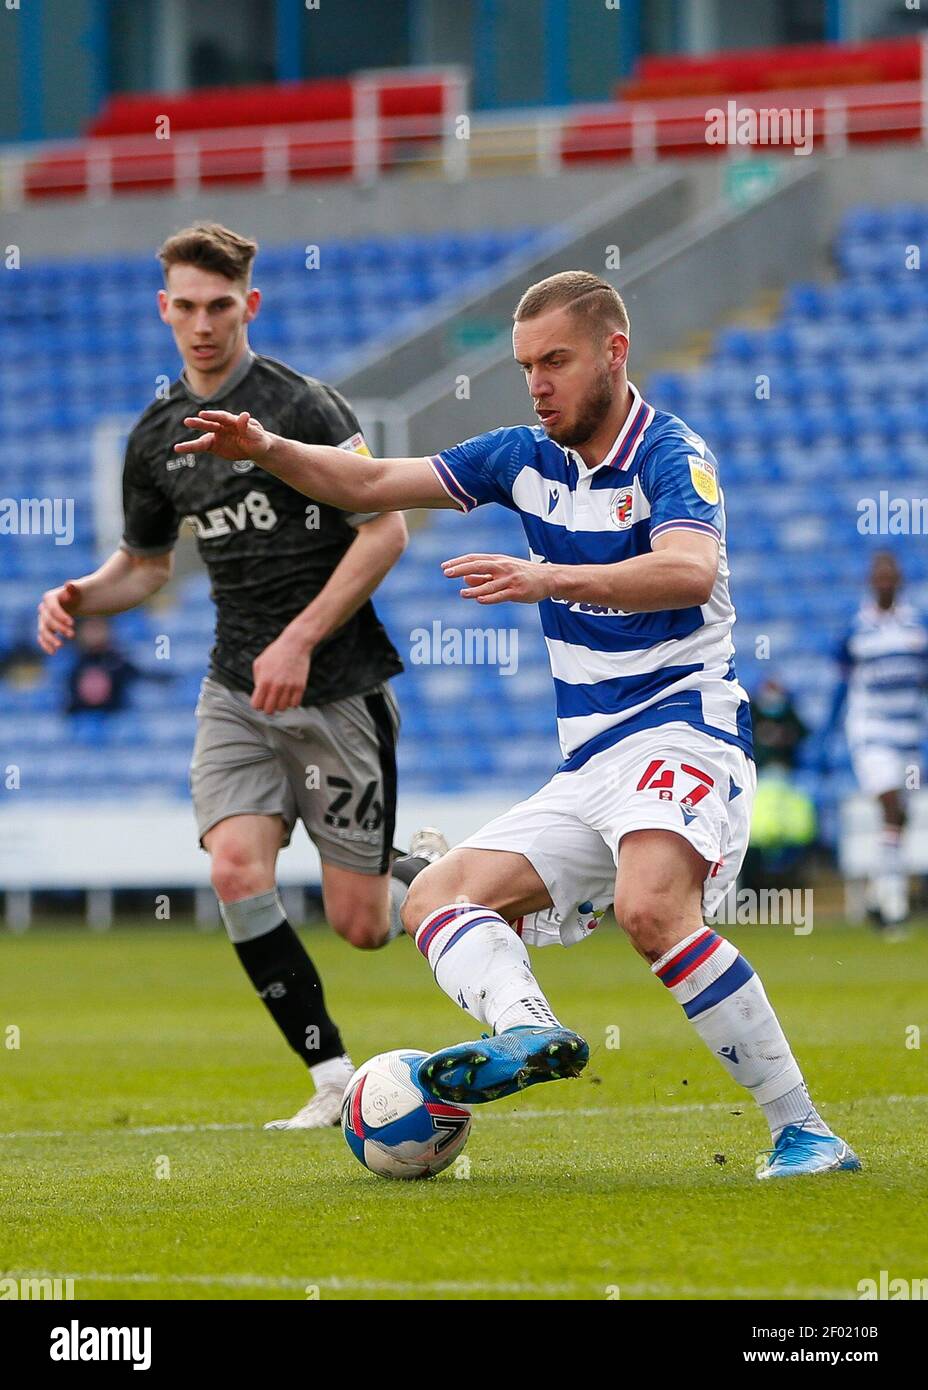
11,116
73,54
60,58
52,76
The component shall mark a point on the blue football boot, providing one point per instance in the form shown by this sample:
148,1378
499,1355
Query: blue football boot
472,1072
797,1151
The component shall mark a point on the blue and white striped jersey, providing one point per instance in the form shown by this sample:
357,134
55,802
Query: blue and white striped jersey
885,661
616,672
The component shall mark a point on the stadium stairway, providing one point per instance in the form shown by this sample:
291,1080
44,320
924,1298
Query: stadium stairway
809,415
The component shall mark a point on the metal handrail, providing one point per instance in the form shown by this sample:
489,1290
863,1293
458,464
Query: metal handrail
369,144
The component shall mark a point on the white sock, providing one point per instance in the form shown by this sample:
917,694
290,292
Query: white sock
795,1108
398,893
481,964
891,884
726,1004
337,1071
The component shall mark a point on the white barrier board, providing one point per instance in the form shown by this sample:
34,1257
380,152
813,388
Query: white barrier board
153,844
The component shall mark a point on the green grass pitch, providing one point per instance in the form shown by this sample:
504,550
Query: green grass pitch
144,1052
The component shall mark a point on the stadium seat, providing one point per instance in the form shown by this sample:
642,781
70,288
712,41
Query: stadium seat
793,466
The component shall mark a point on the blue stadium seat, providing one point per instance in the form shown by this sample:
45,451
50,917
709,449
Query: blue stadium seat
848,365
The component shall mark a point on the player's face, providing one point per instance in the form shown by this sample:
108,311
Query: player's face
571,374
208,315
885,580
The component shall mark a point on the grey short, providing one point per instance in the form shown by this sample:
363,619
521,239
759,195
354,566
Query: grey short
331,766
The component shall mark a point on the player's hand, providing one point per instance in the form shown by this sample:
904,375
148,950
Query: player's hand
280,674
228,436
56,620
500,578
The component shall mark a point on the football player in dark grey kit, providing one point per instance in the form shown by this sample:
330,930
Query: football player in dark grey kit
295,718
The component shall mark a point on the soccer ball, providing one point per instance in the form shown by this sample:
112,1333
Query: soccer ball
393,1127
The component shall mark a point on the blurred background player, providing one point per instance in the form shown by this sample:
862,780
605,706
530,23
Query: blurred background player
783,823
295,718
778,729
884,681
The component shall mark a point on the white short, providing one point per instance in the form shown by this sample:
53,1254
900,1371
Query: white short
881,768
673,777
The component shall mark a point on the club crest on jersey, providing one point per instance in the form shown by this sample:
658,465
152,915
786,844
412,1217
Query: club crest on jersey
242,465
704,478
620,509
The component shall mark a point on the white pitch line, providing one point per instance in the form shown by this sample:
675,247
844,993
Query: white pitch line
39,1133
188,1129
581,1112
683,1109
283,1283
336,1284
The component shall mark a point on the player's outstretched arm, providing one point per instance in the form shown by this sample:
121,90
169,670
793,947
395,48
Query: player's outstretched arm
321,471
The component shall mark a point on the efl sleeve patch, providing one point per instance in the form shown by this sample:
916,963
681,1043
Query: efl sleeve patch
356,445
705,479
683,489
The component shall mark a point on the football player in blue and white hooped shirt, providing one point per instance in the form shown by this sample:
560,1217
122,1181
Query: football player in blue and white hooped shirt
884,669
650,807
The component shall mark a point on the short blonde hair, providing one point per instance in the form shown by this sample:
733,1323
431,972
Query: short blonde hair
587,296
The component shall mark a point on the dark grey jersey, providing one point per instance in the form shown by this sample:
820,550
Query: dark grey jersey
268,549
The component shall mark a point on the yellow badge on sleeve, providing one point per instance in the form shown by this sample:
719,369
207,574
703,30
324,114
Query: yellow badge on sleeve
356,445
704,478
